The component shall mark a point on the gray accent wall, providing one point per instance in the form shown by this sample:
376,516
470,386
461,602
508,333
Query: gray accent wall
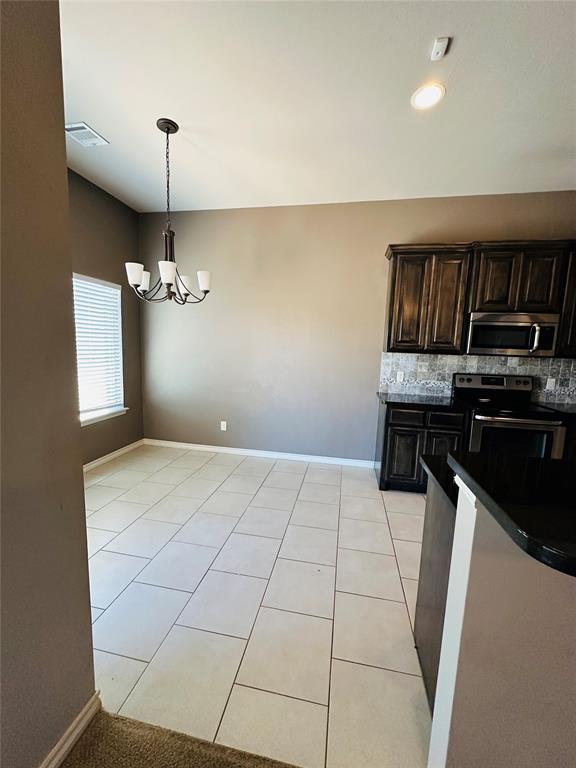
46,648
288,346
103,236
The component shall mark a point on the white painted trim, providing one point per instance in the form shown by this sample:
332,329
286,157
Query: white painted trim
464,529
262,454
113,455
71,735
103,415
465,490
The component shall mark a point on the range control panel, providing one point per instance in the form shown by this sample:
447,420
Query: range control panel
480,381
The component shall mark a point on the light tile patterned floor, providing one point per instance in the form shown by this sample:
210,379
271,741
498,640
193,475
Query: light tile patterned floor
262,604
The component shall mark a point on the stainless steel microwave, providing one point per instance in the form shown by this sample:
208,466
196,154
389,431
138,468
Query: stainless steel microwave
492,333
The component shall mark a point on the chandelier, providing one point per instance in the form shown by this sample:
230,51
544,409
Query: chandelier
171,285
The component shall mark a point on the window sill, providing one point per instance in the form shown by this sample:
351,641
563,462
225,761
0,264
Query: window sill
102,415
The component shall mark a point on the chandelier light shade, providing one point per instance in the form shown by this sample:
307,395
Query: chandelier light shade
171,285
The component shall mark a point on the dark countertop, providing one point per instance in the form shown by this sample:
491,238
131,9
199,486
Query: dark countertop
437,468
533,500
400,398
569,408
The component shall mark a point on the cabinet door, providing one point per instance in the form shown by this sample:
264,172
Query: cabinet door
404,448
540,281
498,274
409,303
440,443
435,561
448,285
567,342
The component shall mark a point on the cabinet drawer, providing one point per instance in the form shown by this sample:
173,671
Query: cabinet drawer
446,420
409,418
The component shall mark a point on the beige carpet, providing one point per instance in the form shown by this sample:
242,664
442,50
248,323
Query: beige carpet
111,741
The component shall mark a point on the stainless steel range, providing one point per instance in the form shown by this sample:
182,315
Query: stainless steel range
503,417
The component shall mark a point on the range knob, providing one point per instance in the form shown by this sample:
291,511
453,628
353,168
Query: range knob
526,382
468,379
518,381
461,379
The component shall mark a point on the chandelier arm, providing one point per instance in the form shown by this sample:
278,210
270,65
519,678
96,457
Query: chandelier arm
190,294
149,299
176,297
155,301
154,290
197,300
178,290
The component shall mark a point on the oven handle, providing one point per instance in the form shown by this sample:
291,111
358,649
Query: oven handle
511,420
536,344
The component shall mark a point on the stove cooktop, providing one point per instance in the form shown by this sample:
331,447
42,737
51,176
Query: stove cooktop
531,411
500,395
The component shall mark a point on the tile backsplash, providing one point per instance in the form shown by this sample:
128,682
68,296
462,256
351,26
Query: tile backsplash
554,379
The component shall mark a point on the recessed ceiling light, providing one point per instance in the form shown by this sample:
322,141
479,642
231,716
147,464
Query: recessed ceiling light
427,96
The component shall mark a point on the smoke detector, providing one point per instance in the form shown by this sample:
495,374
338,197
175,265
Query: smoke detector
84,135
440,48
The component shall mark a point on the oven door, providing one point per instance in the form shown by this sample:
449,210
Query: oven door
523,335
520,437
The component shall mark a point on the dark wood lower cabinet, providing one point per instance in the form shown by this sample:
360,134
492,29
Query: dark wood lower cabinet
440,443
435,560
404,448
405,432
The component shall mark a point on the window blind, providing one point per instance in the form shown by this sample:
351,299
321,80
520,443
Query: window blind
98,320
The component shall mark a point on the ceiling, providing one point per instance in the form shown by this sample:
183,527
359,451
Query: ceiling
289,103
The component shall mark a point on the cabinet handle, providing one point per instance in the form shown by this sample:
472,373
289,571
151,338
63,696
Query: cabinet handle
534,346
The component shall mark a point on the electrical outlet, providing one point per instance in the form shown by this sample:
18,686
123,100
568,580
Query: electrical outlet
399,375
223,426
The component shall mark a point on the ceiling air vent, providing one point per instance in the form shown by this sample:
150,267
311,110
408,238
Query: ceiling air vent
84,135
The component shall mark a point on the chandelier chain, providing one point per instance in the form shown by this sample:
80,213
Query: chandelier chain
168,217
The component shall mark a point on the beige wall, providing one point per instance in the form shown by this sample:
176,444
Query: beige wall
46,636
287,346
104,235
516,678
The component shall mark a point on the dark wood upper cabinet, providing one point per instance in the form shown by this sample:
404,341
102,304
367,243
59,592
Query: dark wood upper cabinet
519,277
428,299
411,283
434,287
567,340
498,273
446,305
540,273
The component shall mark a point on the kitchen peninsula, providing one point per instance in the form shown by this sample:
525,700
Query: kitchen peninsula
506,680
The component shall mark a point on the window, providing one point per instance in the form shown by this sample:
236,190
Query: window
98,319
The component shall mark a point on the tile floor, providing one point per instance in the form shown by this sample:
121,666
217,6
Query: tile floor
262,604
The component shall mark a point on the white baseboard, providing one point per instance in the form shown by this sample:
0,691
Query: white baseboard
71,735
113,455
262,454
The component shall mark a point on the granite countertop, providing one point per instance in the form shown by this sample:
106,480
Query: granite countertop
569,408
533,500
437,468
401,398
